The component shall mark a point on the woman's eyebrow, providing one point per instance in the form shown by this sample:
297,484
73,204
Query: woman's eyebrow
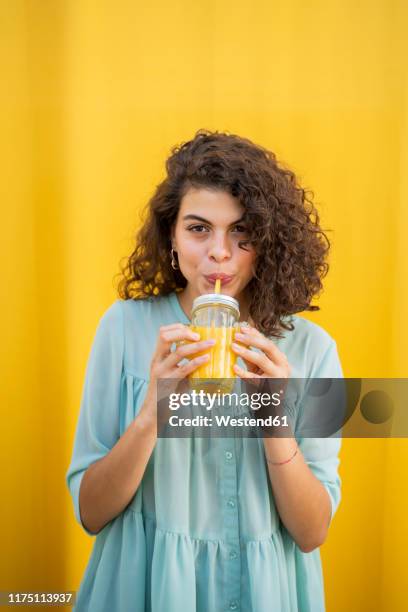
198,218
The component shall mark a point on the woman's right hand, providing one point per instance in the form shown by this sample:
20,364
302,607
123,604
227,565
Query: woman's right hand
164,364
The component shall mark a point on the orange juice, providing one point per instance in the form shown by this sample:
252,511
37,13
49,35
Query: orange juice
222,358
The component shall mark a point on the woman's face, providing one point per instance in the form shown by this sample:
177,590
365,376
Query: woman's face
206,236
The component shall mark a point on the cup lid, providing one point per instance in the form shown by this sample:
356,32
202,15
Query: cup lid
216,299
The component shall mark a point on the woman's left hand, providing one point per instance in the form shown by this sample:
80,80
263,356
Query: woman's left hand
271,363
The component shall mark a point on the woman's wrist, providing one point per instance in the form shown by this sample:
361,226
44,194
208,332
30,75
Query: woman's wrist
279,451
282,462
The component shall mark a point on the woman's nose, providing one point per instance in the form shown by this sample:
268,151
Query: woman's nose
219,249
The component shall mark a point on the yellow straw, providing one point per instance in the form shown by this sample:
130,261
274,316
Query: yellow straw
217,289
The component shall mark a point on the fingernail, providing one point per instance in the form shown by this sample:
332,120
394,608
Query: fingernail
236,346
195,336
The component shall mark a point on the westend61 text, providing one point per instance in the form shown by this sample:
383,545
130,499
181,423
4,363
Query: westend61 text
228,421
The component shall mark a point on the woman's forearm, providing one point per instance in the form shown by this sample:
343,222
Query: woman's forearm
109,484
301,499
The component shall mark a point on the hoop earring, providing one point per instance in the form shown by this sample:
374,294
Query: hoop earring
174,264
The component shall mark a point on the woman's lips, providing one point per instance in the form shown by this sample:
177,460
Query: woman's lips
224,279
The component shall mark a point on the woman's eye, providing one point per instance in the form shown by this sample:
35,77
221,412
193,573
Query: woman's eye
196,228
200,229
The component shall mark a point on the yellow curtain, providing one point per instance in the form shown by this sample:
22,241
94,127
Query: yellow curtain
93,97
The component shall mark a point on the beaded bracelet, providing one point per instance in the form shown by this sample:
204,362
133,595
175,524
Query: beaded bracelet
282,462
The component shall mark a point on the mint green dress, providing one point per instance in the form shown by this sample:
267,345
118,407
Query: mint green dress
202,533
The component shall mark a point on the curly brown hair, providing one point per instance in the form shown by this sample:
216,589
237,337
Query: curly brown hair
283,226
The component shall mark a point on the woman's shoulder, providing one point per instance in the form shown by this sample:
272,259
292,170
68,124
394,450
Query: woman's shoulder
154,308
130,327
306,330
142,318
311,349
121,315
307,345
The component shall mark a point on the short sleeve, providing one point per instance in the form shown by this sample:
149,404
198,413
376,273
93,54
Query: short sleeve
97,428
322,454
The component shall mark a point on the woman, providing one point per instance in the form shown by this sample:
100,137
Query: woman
221,523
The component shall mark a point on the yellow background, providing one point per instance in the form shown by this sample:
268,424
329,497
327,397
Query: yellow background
93,96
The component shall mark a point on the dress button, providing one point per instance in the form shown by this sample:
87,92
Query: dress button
231,503
233,605
233,554
228,455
